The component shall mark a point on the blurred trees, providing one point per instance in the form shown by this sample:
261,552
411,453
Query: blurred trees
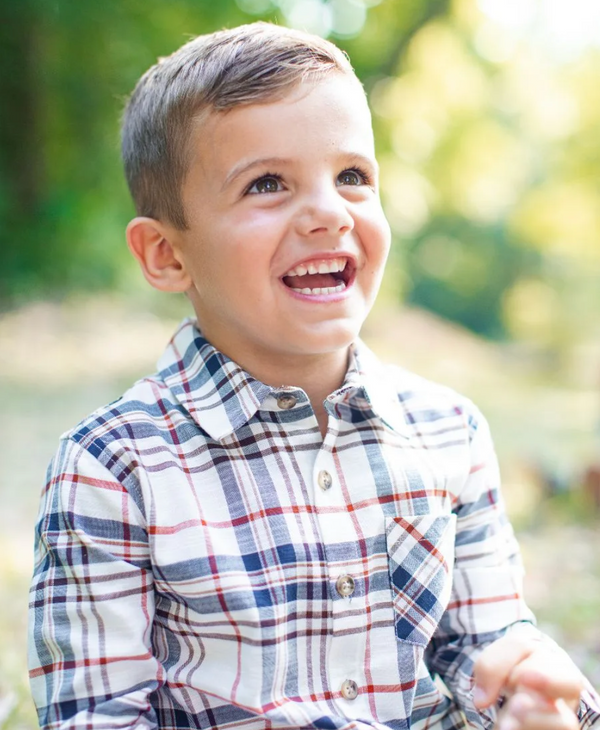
491,174
488,144
67,68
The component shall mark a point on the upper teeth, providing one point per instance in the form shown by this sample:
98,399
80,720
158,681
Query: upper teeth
325,266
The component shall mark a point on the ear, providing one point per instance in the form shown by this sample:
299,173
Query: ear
162,264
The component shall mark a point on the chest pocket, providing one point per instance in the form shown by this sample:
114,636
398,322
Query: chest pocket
421,557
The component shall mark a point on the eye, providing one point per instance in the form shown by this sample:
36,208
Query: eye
265,184
353,177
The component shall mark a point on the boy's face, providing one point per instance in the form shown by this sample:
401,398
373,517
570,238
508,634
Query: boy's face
286,240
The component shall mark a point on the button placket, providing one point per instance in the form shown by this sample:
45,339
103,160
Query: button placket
324,480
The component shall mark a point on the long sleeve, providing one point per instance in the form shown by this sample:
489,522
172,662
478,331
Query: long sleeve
92,602
487,596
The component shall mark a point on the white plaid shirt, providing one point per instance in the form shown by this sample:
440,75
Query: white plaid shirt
206,560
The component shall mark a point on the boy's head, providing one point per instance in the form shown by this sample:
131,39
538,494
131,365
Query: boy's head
251,64
251,159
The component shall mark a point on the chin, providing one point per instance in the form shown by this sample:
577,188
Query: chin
332,339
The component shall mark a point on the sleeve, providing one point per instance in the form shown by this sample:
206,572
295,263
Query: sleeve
487,595
589,708
92,603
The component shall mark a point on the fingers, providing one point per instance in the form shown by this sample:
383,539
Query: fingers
550,673
524,711
516,662
495,665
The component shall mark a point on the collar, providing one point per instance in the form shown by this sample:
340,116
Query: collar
221,397
380,387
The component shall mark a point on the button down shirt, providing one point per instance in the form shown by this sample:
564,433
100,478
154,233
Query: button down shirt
205,559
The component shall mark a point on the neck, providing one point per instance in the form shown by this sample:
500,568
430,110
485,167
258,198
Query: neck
317,375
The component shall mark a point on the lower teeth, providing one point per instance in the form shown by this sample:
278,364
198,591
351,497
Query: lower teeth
323,290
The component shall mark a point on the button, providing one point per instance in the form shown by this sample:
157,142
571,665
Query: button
325,480
287,401
349,689
345,585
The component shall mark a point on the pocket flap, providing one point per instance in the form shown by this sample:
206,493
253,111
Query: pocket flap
421,557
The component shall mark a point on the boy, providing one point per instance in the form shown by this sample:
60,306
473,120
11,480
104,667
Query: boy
275,530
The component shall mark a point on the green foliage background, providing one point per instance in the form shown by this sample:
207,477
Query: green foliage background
489,148
490,156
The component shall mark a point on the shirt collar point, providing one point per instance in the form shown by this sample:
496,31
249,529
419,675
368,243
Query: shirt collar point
216,392
381,390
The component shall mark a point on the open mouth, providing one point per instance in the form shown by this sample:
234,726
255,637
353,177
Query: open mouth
324,276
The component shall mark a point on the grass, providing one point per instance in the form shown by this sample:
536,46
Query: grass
16,708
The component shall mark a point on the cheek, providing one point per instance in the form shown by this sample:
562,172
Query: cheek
235,247
377,236
257,219
253,241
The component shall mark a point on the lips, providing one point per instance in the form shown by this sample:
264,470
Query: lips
320,276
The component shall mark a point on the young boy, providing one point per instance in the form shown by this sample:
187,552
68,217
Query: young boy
275,530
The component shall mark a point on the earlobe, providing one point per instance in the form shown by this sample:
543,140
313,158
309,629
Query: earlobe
151,244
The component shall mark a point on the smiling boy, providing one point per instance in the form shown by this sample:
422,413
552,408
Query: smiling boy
275,530
262,218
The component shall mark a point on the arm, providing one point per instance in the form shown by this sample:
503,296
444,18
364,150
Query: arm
92,602
487,576
487,598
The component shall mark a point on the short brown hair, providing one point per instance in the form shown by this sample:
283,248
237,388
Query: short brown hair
245,65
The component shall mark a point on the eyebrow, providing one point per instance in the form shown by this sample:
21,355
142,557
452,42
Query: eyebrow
266,162
244,167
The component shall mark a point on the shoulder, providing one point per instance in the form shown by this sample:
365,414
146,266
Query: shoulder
142,410
427,406
417,391
435,406
144,427
123,439
150,409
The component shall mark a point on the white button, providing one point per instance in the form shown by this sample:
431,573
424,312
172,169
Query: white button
349,689
345,585
287,401
325,480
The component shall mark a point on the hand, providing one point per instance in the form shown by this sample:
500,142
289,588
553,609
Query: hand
539,680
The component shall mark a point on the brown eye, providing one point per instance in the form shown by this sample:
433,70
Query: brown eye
350,177
267,184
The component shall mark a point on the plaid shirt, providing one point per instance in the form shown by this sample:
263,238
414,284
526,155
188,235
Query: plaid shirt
206,560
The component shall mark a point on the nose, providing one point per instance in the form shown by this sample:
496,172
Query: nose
324,212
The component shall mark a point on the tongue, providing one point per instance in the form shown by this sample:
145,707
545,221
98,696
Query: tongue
310,281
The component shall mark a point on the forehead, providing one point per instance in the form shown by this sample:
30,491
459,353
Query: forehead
328,113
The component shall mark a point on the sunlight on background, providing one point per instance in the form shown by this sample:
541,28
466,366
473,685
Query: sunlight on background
506,153
343,18
562,28
486,115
